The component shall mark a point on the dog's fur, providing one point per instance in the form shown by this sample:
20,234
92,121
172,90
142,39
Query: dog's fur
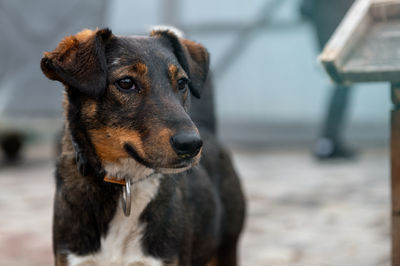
185,211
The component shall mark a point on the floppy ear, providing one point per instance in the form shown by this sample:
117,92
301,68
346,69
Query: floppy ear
79,61
198,60
193,57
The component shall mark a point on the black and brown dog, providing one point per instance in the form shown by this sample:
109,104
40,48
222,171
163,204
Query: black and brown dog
128,121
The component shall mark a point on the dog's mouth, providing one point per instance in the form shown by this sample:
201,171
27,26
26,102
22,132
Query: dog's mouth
177,167
135,155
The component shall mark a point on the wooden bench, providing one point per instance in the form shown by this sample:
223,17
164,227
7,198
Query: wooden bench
366,48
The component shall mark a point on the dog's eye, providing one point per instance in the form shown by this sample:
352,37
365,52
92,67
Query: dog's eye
182,84
126,84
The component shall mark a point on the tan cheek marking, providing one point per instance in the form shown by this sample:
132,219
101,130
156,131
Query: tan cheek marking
164,138
165,133
160,145
109,143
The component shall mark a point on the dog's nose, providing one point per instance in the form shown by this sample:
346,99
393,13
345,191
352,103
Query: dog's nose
186,145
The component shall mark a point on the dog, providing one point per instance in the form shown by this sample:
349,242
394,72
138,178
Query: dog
141,179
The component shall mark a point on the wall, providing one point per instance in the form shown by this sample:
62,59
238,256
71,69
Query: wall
274,90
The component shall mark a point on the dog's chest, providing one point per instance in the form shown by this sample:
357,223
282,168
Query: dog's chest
122,244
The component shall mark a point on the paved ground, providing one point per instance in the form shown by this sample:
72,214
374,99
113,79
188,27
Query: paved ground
300,212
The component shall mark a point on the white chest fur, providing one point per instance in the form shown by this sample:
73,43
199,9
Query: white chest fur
121,246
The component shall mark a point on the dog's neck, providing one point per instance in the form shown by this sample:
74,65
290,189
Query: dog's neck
128,168
126,171
84,157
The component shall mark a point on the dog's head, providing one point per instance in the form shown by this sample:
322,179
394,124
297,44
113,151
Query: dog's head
129,96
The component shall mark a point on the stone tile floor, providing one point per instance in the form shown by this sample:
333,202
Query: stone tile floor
300,211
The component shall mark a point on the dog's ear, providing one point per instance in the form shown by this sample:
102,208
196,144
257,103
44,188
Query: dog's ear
198,61
79,61
193,57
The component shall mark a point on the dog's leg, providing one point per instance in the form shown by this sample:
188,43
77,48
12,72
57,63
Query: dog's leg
61,260
227,255
213,262
234,202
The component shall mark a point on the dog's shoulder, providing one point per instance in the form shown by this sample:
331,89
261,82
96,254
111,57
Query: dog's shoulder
187,209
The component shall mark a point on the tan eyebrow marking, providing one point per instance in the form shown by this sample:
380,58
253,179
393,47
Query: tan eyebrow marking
172,72
139,71
140,68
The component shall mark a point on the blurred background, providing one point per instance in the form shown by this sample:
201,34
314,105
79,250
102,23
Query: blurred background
272,98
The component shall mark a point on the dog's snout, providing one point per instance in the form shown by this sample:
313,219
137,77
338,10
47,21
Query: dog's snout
186,145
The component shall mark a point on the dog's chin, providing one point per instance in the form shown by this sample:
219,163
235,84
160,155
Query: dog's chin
137,170
179,167
173,170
